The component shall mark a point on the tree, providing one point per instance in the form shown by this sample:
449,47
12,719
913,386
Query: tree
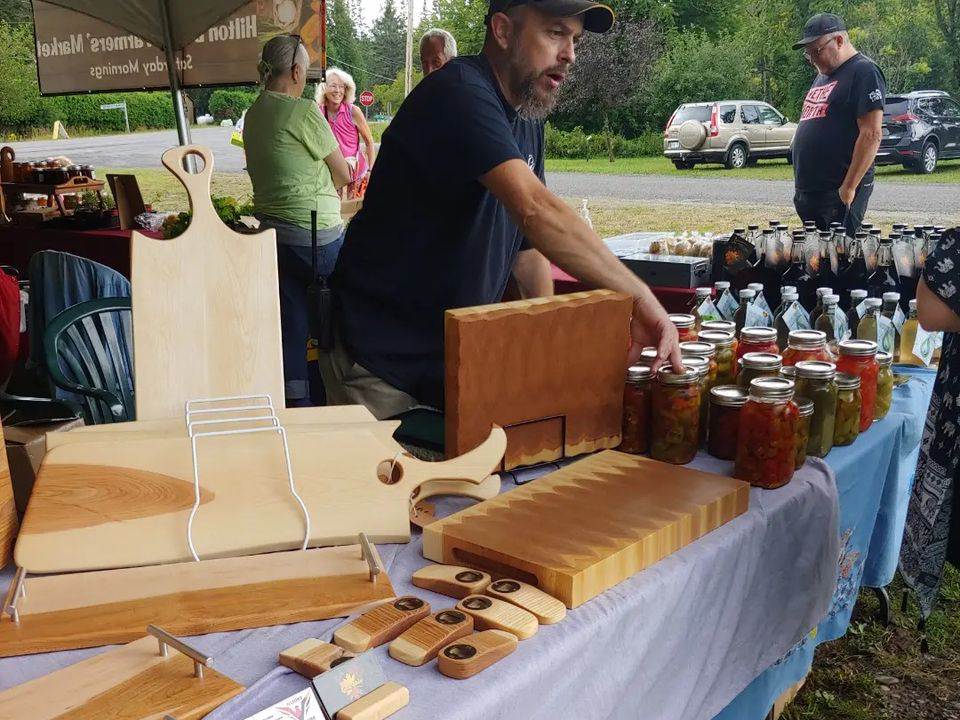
464,19
611,71
343,45
384,47
389,96
15,11
948,21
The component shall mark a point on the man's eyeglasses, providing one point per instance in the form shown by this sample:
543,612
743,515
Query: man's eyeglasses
815,53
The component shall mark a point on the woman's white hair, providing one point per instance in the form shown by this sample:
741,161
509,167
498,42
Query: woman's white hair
349,97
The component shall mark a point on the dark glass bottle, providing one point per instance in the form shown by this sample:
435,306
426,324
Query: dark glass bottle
841,242
783,330
740,317
884,278
767,271
857,296
825,273
797,274
855,276
817,311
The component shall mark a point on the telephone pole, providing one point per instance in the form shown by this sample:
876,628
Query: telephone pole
408,75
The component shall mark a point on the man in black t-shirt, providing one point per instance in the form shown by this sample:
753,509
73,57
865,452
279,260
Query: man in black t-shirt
457,203
840,127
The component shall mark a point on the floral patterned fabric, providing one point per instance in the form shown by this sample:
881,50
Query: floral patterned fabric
932,534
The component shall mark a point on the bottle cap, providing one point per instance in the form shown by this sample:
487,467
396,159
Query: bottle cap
860,294
891,297
747,293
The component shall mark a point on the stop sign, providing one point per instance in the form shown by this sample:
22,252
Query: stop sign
366,98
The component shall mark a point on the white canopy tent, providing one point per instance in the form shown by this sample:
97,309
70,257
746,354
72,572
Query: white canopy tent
167,24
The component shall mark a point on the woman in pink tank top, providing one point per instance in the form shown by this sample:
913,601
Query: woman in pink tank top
336,97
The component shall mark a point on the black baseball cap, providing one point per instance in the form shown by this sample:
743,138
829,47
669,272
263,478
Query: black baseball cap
819,25
597,18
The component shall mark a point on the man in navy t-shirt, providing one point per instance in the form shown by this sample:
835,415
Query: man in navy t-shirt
840,127
457,203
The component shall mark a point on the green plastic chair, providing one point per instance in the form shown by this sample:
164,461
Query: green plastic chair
88,352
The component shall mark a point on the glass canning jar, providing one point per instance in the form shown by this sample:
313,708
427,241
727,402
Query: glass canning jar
766,446
635,435
816,382
675,416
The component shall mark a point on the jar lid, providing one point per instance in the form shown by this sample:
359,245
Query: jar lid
649,354
858,294
698,349
667,376
816,370
807,339
725,325
639,373
789,372
858,348
885,359
891,297
761,361
758,334
846,381
717,338
728,396
700,364
682,320
772,388
804,406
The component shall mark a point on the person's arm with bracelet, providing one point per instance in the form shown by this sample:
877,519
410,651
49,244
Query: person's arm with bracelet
864,153
364,129
553,228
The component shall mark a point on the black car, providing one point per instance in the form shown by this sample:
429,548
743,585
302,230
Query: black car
919,129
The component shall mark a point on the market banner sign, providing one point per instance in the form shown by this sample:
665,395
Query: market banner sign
77,53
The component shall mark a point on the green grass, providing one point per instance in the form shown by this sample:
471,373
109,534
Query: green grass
948,172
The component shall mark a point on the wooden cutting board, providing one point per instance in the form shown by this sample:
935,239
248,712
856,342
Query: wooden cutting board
132,682
76,610
8,510
581,530
206,309
550,371
109,505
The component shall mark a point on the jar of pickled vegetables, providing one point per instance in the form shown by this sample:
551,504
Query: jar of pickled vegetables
675,416
859,357
724,343
727,326
766,446
758,339
686,326
635,436
805,409
846,428
758,364
726,401
884,384
806,345
788,372
704,350
702,366
816,382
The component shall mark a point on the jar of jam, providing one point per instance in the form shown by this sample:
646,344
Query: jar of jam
758,364
635,436
726,402
806,345
884,384
686,326
816,382
805,408
766,446
704,350
758,339
846,428
859,357
724,343
675,416
726,326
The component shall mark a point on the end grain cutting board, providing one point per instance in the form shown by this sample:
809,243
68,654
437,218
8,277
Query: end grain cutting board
8,510
581,530
106,505
206,310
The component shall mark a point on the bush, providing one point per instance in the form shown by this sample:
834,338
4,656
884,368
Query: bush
576,144
230,104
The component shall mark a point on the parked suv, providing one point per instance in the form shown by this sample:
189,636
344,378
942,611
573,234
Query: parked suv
733,132
920,129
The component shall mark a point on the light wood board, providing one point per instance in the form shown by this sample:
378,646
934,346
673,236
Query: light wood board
550,371
111,505
588,526
8,509
77,610
206,309
132,682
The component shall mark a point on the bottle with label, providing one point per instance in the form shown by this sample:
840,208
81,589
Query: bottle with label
701,295
869,323
884,278
818,307
890,310
840,241
853,317
725,301
783,330
825,265
740,317
855,276
784,291
797,274
827,322
908,338
766,267
754,236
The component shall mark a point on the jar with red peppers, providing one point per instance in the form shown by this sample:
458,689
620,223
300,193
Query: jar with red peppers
635,436
805,410
758,364
724,344
758,339
727,326
726,401
686,326
806,345
675,416
859,357
704,350
766,446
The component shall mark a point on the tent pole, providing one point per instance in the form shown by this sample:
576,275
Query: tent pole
183,127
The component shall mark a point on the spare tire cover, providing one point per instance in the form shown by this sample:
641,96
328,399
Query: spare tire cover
692,135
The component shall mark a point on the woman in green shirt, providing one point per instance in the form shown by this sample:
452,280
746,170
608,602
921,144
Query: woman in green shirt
296,168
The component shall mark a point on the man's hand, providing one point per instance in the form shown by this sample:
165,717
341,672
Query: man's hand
654,329
847,195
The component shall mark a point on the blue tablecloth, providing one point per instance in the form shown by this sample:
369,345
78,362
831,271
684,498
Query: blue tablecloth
874,478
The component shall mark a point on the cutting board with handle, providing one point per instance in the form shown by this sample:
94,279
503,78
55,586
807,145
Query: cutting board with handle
109,505
588,526
8,509
206,310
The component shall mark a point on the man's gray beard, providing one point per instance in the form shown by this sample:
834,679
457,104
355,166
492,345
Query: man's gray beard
534,106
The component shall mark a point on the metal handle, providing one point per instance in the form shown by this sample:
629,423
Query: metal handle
165,639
